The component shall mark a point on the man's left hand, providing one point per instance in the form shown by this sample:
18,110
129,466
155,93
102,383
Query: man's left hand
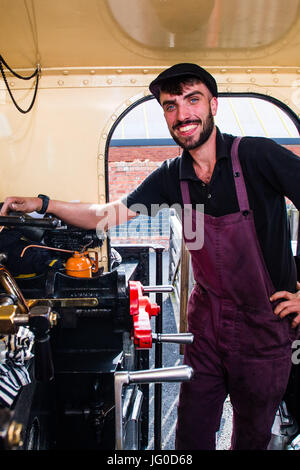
292,305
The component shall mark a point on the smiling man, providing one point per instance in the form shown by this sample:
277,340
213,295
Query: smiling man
245,275
189,116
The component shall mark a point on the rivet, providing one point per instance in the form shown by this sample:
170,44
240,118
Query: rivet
101,157
275,80
252,79
114,117
249,70
12,84
60,82
65,72
145,71
104,136
92,72
128,103
109,81
119,71
229,79
223,70
85,82
274,70
133,80
228,88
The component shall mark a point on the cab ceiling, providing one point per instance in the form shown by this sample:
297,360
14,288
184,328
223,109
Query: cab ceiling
139,33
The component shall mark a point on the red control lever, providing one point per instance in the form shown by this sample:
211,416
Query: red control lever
141,310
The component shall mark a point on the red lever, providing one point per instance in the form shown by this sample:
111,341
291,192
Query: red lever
141,310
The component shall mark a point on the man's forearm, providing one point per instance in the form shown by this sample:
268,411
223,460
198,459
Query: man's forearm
84,215
91,216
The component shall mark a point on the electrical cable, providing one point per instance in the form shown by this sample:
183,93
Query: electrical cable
36,74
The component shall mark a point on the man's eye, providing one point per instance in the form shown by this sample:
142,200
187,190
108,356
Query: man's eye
170,107
194,100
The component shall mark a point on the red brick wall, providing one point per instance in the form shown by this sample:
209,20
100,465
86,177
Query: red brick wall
294,148
129,154
126,176
129,166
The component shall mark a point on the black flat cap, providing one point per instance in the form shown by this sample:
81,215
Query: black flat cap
180,70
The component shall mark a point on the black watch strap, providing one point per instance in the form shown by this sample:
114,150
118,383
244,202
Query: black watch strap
45,204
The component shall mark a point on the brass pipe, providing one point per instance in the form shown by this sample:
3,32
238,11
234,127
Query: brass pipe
10,287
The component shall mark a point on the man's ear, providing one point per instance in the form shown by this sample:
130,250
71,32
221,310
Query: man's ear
214,105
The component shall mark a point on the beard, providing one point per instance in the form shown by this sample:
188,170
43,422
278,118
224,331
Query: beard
191,143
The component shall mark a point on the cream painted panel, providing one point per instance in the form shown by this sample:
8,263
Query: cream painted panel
72,33
54,149
59,147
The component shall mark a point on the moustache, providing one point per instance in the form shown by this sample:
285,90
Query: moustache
184,123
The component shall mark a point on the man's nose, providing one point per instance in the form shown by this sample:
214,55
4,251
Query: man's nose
182,113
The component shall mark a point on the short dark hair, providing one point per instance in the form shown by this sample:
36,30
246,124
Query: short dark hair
174,86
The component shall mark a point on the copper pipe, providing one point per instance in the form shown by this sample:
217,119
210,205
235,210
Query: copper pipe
10,287
45,248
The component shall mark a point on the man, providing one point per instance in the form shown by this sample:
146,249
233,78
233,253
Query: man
239,310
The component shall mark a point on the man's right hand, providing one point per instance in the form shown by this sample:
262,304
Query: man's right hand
21,204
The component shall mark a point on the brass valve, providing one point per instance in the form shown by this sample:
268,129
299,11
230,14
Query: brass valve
10,320
14,435
15,312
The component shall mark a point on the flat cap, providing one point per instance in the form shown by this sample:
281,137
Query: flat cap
181,70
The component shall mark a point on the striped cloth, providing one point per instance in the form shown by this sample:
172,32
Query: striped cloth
15,350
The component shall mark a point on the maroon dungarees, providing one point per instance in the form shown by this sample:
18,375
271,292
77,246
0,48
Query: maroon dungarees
241,347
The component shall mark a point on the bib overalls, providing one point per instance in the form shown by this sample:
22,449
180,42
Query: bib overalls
241,347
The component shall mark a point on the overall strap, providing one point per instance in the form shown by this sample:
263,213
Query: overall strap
239,181
185,193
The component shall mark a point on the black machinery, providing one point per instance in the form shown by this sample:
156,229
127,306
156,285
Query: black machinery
91,335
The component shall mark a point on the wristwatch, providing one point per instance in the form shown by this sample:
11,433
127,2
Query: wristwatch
45,204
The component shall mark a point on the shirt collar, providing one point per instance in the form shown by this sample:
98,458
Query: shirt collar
186,169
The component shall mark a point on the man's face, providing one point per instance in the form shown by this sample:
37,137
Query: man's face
190,116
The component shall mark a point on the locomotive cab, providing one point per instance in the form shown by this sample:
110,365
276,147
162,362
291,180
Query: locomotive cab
77,318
